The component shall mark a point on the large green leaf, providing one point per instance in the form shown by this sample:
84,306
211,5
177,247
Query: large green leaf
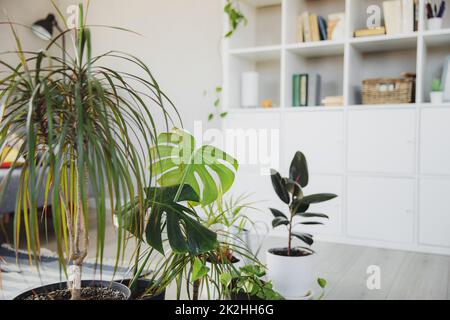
185,234
299,169
177,160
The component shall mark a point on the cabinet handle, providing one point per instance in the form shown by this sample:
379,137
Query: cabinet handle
409,212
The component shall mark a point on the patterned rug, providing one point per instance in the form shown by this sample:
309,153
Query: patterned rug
17,277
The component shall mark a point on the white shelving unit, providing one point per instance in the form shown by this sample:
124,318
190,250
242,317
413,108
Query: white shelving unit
382,160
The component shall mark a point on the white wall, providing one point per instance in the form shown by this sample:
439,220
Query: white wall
180,42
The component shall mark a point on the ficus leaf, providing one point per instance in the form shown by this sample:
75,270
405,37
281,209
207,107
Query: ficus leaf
279,187
299,169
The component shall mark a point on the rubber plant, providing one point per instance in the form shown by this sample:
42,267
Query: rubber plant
290,191
77,123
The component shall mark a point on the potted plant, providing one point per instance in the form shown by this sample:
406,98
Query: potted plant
246,283
436,94
179,168
75,122
291,268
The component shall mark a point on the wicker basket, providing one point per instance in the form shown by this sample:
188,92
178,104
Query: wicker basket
388,90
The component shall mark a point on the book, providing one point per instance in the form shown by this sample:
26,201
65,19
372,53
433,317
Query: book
314,90
370,32
393,16
296,90
300,37
407,16
333,101
336,26
306,27
322,28
304,90
314,27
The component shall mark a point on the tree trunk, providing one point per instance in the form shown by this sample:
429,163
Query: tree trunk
78,251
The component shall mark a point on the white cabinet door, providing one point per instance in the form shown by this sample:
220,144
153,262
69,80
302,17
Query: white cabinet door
381,141
332,208
253,138
380,208
434,212
435,141
319,135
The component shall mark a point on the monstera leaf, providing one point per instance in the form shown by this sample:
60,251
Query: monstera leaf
177,160
184,233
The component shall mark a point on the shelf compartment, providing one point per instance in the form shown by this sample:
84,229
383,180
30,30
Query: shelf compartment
434,54
370,65
263,27
330,69
318,49
295,8
269,71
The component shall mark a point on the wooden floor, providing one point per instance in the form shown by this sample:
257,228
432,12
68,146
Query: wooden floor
404,275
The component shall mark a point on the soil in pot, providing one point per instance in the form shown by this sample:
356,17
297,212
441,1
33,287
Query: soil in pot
141,291
97,290
295,252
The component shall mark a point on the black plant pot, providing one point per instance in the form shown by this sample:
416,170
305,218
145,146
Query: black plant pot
141,286
84,283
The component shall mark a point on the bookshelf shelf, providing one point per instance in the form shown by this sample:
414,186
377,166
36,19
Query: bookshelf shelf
385,42
317,49
437,38
257,54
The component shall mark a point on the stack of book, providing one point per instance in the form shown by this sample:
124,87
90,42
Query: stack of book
312,27
400,16
333,101
306,90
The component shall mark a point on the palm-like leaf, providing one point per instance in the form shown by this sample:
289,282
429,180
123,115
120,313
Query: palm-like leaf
178,161
77,122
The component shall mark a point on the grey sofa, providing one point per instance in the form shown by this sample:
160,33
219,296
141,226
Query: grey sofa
8,203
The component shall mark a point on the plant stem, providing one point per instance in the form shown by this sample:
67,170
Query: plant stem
196,289
290,235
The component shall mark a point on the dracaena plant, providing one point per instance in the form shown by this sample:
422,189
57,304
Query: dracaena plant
77,121
290,191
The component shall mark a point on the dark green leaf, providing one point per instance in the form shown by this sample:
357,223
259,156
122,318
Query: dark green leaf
312,215
306,238
311,223
318,198
278,221
223,114
278,213
279,187
299,169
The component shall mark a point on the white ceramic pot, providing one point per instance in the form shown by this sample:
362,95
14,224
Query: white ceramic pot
292,277
435,24
436,96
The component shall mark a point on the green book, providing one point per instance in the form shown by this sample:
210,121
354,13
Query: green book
296,90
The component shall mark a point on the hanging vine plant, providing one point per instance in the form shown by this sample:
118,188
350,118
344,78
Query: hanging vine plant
235,16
